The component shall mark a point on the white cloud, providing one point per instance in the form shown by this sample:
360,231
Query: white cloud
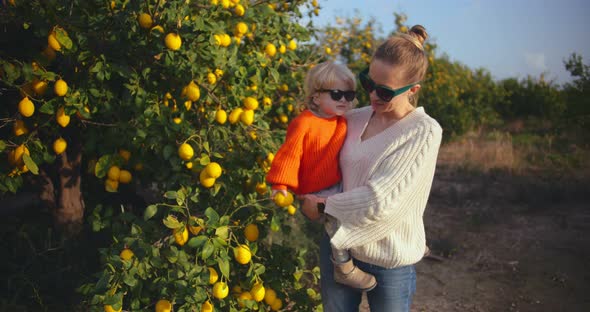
535,60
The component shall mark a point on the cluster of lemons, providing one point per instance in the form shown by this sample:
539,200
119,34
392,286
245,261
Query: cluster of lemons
116,175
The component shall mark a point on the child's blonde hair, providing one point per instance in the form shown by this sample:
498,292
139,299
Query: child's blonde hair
323,76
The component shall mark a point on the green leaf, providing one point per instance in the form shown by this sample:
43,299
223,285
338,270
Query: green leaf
222,232
129,280
223,264
170,195
2,145
275,223
47,108
150,211
196,242
30,164
207,250
212,216
204,159
172,223
62,38
102,166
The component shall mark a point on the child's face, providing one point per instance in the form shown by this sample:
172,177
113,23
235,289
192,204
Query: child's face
328,105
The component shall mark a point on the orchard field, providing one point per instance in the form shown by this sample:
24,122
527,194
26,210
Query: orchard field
137,135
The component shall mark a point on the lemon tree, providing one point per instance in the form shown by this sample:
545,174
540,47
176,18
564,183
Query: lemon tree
180,105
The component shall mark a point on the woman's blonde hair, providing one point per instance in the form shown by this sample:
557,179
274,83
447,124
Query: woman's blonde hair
324,76
406,52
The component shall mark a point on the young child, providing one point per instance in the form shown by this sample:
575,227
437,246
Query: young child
307,162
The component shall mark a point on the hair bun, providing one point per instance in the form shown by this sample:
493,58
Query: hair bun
419,32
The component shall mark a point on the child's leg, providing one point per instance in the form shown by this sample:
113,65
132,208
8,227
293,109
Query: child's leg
331,225
345,272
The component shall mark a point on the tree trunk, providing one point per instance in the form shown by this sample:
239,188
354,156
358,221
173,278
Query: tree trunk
69,213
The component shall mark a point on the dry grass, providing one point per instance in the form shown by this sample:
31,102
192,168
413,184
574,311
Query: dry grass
518,153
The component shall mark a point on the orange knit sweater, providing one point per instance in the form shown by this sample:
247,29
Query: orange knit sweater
307,162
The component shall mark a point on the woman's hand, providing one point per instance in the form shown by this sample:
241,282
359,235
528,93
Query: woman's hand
309,206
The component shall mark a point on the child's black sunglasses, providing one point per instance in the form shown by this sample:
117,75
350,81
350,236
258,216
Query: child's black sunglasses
336,95
384,93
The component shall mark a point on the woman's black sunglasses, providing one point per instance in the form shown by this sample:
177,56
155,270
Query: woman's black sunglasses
336,95
384,93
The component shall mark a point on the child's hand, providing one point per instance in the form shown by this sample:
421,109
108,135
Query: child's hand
274,192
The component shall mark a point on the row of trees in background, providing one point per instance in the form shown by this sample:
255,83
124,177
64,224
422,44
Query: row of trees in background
462,98
153,123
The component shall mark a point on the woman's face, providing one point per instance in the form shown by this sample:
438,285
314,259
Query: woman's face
384,74
330,107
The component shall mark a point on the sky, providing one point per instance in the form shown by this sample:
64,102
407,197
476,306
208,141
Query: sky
509,38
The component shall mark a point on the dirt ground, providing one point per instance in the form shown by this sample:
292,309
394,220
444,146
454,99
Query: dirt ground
505,243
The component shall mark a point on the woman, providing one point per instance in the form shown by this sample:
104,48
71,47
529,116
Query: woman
387,162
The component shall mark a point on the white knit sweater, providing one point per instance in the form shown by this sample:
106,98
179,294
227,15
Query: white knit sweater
386,180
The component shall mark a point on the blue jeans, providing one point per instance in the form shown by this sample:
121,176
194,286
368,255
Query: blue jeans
394,291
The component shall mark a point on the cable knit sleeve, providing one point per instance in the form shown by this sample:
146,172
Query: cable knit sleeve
284,170
370,212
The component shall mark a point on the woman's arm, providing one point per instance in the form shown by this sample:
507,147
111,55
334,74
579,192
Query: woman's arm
370,212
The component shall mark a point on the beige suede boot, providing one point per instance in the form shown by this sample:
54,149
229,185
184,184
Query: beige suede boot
350,275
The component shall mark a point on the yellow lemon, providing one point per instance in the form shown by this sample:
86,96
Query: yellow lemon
282,49
206,180
163,305
266,101
250,103
247,117
125,177
145,20
113,173
257,292
276,305
241,29
283,118
52,41
221,116
225,40
181,236
177,120
292,45
270,296
239,10
270,157
60,87
218,73
17,156
235,114
196,225
126,254
185,151
242,254
26,107
40,87
109,308
125,154
213,276
213,170
62,119
189,165
173,41
211,78
193,92
261,188
243,297
111,185
220,290
283,201
270,50
291,210
251,232
59,146
328,50
157,28
20,128
207,306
